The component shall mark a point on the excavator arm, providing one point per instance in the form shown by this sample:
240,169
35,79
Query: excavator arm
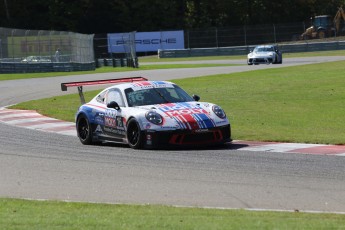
339,16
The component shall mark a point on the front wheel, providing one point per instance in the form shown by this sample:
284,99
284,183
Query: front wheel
134,136
84,130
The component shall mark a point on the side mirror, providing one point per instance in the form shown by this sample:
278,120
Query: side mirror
196,97
113,105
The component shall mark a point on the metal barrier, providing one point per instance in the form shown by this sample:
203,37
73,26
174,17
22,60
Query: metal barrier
118,62
244,50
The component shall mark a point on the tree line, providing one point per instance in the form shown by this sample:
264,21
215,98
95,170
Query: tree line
104,16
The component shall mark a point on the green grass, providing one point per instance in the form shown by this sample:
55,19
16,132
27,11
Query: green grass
24,214
236,57
293,104
304,104
154,59
106,69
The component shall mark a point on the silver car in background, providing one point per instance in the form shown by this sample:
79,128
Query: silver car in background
265,54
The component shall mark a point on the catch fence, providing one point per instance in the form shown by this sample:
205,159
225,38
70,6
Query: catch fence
243,35
44,51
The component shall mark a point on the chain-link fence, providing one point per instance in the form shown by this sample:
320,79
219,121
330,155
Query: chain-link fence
44,51
125,54
243,35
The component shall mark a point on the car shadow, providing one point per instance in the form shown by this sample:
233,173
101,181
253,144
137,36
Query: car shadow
226,146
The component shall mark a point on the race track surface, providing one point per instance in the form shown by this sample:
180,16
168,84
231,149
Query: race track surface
43,165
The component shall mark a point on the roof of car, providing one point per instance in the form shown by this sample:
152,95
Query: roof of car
264,46
143,85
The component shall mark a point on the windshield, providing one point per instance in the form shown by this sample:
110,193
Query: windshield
323,21
156,96
264,49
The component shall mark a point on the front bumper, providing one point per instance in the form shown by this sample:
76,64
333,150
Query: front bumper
260,60
185,138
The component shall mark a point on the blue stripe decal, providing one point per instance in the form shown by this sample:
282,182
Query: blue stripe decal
206,121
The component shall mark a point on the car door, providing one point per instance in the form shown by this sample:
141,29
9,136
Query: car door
113,118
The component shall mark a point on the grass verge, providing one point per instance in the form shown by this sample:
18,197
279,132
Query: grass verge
106,69
236,57
24,214
302,104
154,59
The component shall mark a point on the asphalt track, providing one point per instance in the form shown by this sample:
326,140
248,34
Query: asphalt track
41,165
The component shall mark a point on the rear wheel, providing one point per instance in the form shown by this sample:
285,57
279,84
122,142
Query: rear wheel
321,34
134,136
84,130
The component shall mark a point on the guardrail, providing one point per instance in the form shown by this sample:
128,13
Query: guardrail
18,67
244,50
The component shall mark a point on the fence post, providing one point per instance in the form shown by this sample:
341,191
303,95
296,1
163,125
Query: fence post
26,43
12,37
217,37
274,34
245,35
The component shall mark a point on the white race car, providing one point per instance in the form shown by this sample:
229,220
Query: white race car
149,114
265,54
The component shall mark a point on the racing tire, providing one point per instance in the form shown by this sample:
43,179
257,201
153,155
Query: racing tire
84,130
134,136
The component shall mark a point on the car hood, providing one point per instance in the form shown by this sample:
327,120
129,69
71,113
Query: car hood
187,115
261,54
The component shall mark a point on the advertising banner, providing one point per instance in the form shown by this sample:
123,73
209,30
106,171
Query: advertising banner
146,41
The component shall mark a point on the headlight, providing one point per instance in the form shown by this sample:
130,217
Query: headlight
154,117
219,111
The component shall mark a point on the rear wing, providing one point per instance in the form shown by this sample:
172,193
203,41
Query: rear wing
80,84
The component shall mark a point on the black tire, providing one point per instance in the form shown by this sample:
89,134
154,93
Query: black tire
84,130
134,136
321,34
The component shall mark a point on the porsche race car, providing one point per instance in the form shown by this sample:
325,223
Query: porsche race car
149,114
265,54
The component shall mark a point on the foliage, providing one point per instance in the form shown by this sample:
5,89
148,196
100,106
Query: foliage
103,16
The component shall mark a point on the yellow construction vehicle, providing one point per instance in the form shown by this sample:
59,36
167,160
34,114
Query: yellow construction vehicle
339,20
323,26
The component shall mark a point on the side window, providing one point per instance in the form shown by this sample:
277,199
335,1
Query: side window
115,95
100,97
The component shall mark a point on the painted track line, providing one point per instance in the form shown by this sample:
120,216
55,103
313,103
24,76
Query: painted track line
32,120
315,149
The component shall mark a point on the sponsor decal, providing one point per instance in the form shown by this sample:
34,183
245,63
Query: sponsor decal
201,130
146,41
110,122
188,116
98,129
119,123
149,85
147,126
99,120
114,131
114,122
110,113
222,122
